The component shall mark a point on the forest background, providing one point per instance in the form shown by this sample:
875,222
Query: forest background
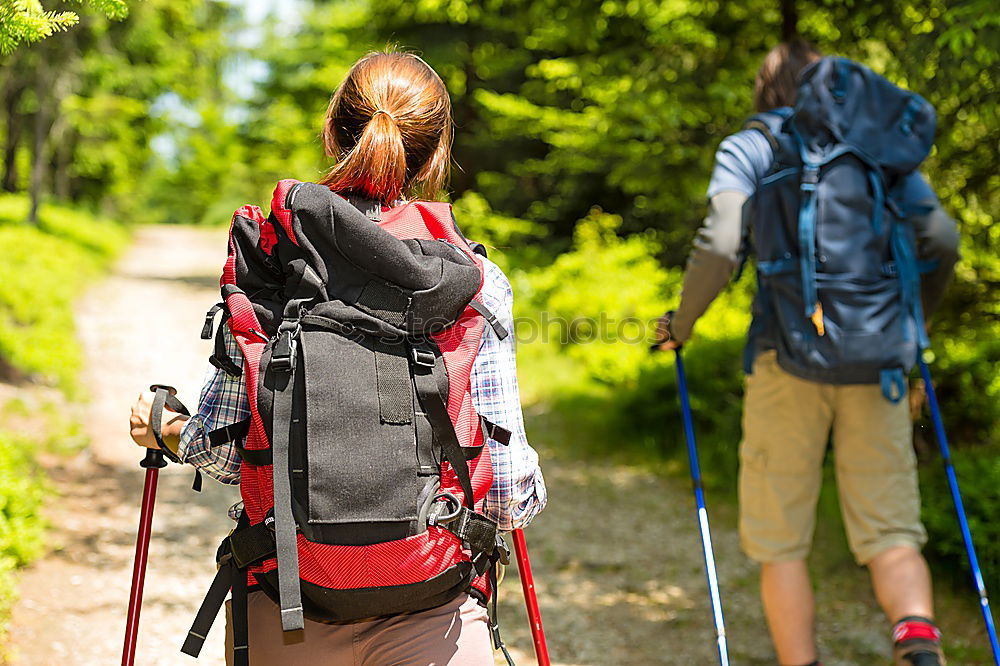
585,136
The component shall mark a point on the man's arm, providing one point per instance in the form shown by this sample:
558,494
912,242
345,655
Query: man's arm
937,239
711,263
740,162
937,243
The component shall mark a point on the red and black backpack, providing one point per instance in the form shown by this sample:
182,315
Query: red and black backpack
364,469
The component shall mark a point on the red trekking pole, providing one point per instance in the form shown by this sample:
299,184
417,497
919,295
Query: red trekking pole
530,600
152,463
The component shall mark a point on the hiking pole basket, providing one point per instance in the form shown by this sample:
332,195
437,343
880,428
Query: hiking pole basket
963,521
154,461
530,600
699,495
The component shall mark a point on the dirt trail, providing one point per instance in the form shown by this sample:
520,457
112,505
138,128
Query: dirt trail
140,325
616,555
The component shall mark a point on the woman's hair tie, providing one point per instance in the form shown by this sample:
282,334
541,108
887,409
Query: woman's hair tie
378,111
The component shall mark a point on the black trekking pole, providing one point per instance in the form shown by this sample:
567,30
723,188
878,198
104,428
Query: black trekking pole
152,463
963,521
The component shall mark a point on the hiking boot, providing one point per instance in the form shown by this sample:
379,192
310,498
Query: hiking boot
917,642
918,652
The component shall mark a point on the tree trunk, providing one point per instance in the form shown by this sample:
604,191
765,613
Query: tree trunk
789,20
38,147
13,91
60,177
14,127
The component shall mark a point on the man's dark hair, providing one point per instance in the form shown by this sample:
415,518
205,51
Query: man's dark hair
778,77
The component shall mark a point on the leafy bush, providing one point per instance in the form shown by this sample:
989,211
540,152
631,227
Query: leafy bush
596,305
978,472
510,241
42,275
22,491
597,302
963,365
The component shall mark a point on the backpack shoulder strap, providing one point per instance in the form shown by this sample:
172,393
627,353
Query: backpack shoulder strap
281,207
769,123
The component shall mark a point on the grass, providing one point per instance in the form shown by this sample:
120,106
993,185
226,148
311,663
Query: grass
45,268
22,492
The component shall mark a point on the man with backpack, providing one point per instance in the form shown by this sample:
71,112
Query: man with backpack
823,181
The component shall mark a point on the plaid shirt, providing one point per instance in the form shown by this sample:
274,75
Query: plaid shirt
518,490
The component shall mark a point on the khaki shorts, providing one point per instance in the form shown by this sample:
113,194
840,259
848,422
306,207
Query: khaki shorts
786,426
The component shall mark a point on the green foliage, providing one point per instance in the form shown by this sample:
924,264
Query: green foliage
585,324
596,302
978,472
25,21
22,492
108,91
234,148
44,271
511,242
967,384
560,108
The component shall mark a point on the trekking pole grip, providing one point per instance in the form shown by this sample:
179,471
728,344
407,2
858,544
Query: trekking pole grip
164,396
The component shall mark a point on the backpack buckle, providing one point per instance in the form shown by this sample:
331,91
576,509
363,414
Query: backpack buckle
445,512
283,356
810,176
423,357
502,551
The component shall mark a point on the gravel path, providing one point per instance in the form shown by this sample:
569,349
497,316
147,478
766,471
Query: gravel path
616,555
140,325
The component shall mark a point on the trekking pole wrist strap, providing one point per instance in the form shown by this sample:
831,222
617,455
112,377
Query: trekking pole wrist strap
164,396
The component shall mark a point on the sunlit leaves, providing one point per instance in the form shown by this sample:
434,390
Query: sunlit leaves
26,21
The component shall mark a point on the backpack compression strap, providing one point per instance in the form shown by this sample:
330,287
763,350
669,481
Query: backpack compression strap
283,361
428,368
490,318
245,546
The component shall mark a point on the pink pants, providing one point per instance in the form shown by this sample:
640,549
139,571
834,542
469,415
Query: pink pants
455,634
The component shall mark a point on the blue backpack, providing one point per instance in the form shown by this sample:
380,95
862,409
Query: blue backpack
839,283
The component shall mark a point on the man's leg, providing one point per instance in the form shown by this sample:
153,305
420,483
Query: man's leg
880,500
786,424
902,583
788,605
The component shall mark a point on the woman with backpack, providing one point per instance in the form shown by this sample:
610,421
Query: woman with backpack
365,364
